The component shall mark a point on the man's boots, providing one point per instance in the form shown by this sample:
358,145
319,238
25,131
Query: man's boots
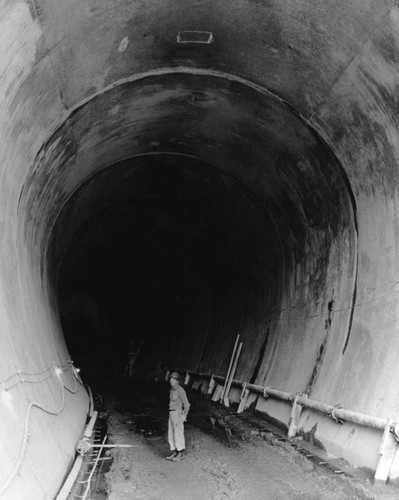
173,455
179,456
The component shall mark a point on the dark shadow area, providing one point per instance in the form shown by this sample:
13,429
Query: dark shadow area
159,254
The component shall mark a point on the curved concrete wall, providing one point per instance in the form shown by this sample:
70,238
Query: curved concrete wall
291,112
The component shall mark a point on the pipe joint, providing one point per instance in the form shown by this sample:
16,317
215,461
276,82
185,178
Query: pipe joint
334,417
295,396
83,447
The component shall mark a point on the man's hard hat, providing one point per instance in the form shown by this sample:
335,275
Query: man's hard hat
175,375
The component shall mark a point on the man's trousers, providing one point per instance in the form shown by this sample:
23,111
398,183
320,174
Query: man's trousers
176,431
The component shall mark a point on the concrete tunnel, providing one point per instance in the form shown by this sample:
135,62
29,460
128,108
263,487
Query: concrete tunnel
181,190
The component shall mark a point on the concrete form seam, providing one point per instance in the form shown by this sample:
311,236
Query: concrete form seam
48,55
369,35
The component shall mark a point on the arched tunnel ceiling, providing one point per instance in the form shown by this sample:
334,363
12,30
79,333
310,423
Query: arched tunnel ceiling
243,134
235,127
297,49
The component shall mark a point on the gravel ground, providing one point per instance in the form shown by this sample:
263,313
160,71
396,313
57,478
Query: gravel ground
240,463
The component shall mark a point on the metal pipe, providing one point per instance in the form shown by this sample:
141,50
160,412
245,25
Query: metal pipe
91,404
115,446
333,411
390,429
93,469
70,480
347,415
90,426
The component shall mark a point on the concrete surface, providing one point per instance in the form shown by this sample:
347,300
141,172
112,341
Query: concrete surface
247,186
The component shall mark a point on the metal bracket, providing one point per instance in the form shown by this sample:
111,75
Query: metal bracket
334,417
211,385
386,452
243,398
296,411
84,446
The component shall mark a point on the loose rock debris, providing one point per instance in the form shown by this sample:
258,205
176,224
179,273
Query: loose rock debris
227,457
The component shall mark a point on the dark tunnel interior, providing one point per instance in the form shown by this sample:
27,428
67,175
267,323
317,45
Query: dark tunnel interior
170,246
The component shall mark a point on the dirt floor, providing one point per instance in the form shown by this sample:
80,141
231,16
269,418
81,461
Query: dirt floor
229,456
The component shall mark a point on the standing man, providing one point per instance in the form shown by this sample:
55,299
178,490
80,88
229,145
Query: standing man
178,411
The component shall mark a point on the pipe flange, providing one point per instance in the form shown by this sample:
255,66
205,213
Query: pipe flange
83,447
